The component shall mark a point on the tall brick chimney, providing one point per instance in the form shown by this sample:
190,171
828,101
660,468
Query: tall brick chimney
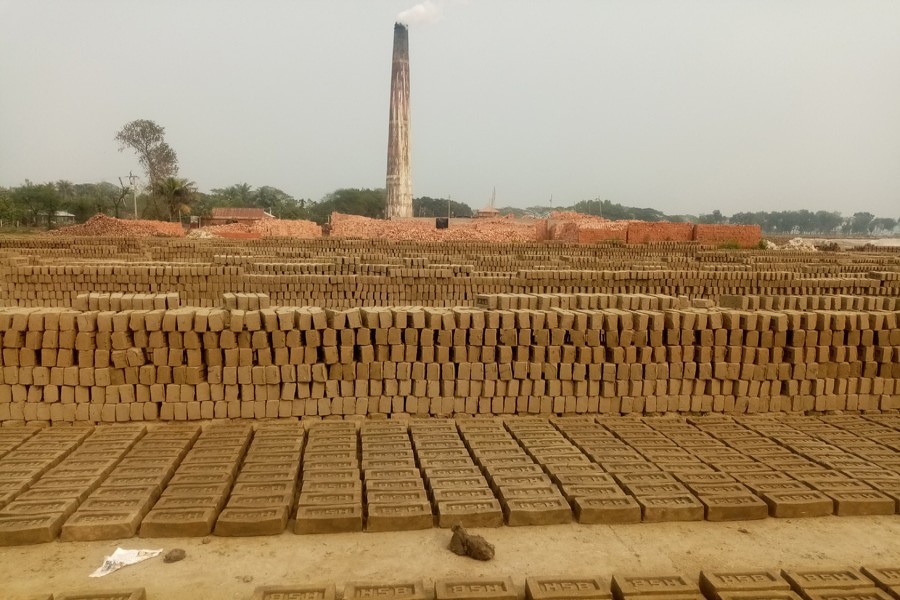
399,180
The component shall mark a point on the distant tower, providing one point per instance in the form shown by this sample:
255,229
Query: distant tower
399,179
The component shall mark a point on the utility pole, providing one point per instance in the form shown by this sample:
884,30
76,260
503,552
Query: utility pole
131,179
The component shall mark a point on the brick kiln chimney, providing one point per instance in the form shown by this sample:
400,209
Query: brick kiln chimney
399,180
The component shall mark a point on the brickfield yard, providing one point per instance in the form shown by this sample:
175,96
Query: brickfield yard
668,419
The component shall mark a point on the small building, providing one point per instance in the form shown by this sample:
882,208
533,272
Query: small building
62,218
225,215
487,213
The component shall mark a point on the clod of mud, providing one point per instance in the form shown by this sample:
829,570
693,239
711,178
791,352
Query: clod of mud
466,544
174,555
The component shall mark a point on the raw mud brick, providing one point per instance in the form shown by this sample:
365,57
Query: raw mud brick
608,510
868,593
760,595
887,578
564,478
78,493
270,520
718,489
471,483
517,470
140,504
392,485
333,486
475,589
861,503
680,507
411,590
566,588
269,487
294,592
628,479
607,490
399,517
713,583
393,497
550,510
133,594
261,501
31,529
469,513
808,503
186,522
179,501
329,519
445,472
22,508
527,491
777,486
844,578
330,475
633,586
390,474
465,494
734,507
87,526
330,498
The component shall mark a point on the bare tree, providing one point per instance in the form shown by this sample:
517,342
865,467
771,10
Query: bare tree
147,139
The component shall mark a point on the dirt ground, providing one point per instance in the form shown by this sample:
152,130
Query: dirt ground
231,568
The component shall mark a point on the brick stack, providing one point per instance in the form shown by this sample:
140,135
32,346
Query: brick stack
189,363
458,490
504,461
264,490
394,490
115,509
331,489
200,485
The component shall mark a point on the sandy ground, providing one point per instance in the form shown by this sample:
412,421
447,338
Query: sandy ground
231,568
847,243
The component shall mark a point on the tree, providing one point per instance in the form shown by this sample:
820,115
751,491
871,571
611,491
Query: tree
118,199
178,195
860,222
350,201
827,222
885,224
155,156
426,206
41,201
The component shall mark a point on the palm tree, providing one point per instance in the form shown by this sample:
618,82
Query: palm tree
178,194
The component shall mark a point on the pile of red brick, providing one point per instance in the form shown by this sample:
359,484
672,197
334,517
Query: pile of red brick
424,230
745,236
267,228
103,225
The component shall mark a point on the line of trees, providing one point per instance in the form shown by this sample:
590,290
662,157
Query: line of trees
166,196
807,222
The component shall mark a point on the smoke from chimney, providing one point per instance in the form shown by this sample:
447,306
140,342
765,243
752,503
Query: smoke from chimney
428,11
398,184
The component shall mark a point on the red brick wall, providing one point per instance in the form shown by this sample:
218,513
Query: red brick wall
641,233
746,236
587,235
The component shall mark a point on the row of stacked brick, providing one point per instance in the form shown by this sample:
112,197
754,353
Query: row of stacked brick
193,363
438,285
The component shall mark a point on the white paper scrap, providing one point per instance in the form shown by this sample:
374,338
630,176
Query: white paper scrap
122,558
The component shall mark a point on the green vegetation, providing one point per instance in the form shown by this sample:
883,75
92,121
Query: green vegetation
170,197
791,222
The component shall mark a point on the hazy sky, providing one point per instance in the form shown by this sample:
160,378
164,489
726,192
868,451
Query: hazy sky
682,105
